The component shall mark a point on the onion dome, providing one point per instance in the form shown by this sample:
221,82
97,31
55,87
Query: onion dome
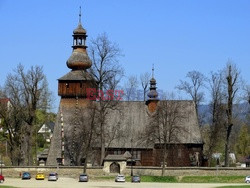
79,29
79,59
153,94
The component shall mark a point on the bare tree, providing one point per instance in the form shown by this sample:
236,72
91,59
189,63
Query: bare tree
232,82
131,87
2,95
107,72
217,109
166,125
247,93
27,91
12,124
105,62
83,135
193,88
145,78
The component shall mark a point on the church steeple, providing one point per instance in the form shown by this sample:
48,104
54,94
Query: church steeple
76,82
79,59
79,35
152,95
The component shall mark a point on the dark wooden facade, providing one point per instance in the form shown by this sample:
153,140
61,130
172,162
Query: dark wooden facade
179,155
69,88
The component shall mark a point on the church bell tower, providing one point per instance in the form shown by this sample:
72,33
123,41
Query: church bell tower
72,88
75,83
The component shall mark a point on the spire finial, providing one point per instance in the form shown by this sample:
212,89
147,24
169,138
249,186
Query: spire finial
153,69
80,15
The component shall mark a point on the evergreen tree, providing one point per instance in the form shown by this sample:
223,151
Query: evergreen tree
243,144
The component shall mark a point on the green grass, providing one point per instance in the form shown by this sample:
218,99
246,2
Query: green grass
185,179
234,186
212,179
104,178
5,186
162,179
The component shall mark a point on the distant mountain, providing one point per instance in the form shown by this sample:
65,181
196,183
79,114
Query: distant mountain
241,112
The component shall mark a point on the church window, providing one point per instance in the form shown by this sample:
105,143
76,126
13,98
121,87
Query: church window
79,41
117,152
136,155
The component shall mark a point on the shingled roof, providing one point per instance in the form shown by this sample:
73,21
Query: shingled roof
77,75
131,120
56,144
115,158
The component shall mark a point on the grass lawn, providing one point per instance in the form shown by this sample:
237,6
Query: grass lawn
162,179
5,186
185,179
213,179
234,186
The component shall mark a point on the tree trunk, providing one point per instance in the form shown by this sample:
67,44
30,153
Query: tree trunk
85,164
89,143
102,144
29,148
164,159
229,129
230,91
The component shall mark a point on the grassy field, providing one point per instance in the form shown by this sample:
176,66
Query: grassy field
184,179
212,179
167,179
233,186
162,179
5,186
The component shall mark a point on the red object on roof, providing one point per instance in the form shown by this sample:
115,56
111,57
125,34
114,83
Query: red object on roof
4,100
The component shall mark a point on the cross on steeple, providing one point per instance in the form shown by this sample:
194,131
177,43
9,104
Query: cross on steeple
153,69
80,15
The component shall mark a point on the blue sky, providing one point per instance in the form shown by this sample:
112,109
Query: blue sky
177,36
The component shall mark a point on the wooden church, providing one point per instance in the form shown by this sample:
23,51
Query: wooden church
132,120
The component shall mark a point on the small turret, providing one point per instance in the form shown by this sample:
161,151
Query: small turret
152,95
